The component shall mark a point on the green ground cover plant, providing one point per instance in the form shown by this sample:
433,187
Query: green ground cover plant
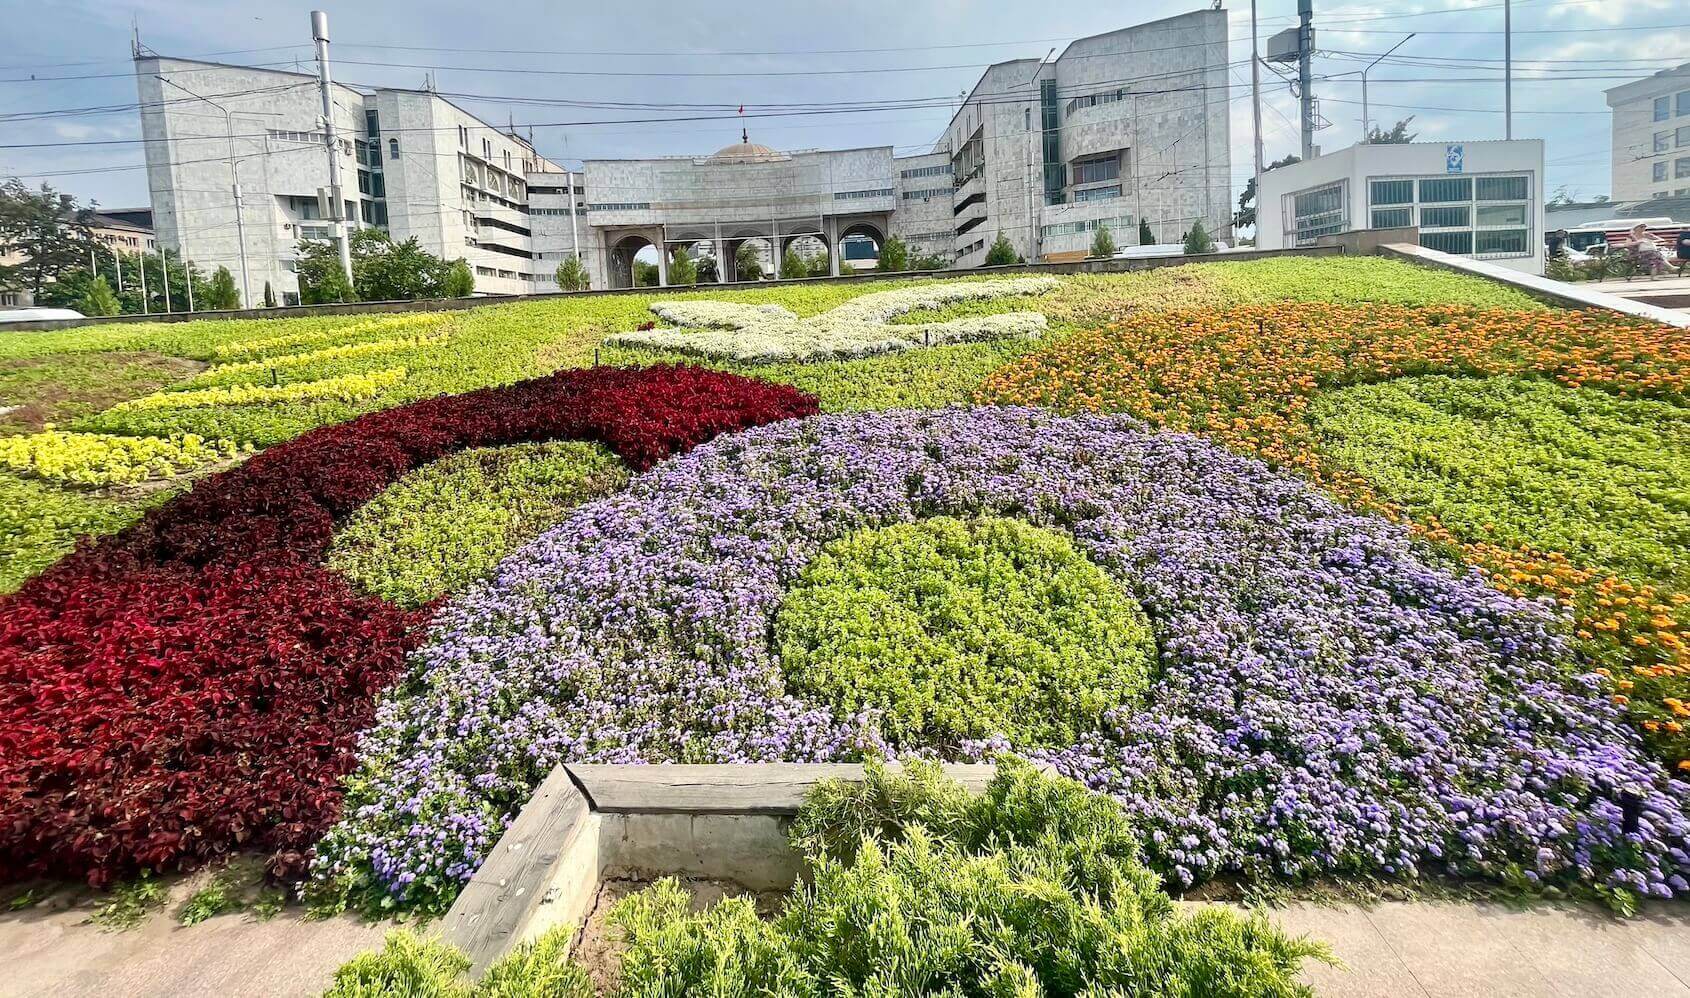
58,388
951,630
1527,463
40,522
912,886
130,904
447,524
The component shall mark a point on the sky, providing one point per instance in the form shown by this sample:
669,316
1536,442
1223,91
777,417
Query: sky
498,59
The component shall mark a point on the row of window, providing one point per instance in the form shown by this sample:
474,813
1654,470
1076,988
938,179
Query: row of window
1667,106
559,191
926,195
861,195
1679,137
1120,223
316,138
1680,169
1097,169
1085,194
579,205
1467,216
943,169
1092,100
620,206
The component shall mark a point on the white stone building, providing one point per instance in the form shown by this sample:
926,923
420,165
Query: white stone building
436,172
1651,126
1478,199
1121,127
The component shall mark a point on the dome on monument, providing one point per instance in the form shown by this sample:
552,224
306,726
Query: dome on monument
744,151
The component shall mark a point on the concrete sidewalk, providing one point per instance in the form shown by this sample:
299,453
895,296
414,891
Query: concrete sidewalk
1445,950
1393,949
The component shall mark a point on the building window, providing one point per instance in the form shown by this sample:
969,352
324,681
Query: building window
1681,168
1092,100
1320,211
1684,102
1392,218
1501,242
1498,214
1459,243
372,123
1051,142
378,185
463,137
1446,189
1097,170
392,148
1392,192
1097,193
857,195
1683,137
1447,217
1663,108
942,169
487,149
1663,140
1660,171
363,181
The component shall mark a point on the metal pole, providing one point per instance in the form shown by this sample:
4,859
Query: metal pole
188,279
1305,72
115,262
574,235
164,261
1256,92
1365,120
320,35
1507,69
146,306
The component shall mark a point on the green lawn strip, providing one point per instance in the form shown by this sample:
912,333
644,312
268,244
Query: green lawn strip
59,388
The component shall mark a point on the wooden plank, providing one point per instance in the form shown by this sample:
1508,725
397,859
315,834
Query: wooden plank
755,788
491,914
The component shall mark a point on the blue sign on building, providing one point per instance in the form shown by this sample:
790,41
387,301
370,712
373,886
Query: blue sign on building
1453,156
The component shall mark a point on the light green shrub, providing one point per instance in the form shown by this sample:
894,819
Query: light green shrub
445,525
40,522
953,630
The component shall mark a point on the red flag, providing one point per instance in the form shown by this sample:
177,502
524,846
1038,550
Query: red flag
742,109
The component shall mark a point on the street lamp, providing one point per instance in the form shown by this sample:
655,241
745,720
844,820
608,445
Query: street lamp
1364,119
234,183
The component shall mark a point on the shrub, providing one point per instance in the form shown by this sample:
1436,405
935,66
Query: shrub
571,275
459,281
748,265
647,275
1001,252
98,299
40,523
894,256
448,523
1145,236
1197,241
793,265
221,294
1103,244
682,271
952,630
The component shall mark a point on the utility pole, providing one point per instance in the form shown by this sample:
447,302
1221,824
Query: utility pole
1507,69
1305,72
234,184
320,35
1255,91
1365,121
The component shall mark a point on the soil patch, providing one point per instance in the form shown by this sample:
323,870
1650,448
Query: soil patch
60,388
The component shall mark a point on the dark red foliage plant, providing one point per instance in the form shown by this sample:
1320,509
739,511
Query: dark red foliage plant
196,684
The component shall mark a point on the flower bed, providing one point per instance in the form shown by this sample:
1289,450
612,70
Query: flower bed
104,459
1327,701
195,683
764,334
1248,377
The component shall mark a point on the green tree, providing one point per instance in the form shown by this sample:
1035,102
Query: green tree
460,280
792,265
894,256
98,299
1398,135
707,272
683,272
321,281
1001,253
1197,241
1145,236
1245,217
269,295
931,261
222,294
46,230
646,275
1103,244
747,266
571,275
819,265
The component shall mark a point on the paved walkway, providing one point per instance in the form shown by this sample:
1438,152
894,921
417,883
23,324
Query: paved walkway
1394,949
1446,950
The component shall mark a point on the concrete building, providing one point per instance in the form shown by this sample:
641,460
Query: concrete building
455,182
1478,199
1651,128
1123,126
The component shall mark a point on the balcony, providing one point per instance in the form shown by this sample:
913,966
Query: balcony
969,186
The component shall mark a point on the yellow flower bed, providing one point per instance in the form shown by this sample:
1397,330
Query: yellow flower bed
107,459
338,352
272,344
346,388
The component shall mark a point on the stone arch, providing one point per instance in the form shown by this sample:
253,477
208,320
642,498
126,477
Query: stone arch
620,265
853,235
